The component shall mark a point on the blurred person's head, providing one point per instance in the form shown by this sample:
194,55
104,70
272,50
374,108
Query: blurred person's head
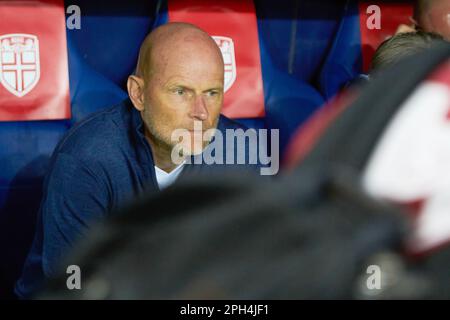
402,45
179,79
433,16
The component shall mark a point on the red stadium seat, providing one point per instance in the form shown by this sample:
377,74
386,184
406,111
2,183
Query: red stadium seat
34,80
392,15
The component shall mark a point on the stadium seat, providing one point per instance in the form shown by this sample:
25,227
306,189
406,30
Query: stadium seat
111,34
354,43
393,13
24,158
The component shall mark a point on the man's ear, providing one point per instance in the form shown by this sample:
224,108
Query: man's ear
135,86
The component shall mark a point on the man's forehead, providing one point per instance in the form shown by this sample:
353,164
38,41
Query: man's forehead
213,82
186,47
188,63
170,37
163,45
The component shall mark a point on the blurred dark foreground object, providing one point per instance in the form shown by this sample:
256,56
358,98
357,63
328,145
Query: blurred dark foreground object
311,235
229,240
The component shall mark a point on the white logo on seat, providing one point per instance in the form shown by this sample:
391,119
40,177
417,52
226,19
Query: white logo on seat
226,45
19,63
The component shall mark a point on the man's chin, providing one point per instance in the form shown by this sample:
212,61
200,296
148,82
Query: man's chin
191,144
187,150
196,148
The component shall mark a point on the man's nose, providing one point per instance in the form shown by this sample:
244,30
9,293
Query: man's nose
199,111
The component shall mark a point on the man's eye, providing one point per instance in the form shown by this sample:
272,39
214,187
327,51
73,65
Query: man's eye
179,92
213,93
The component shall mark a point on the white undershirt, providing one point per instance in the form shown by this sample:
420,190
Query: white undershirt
166,179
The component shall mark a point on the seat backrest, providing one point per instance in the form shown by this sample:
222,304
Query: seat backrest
34,85
363,25
34,81
26,146
391,15
299,34
111,33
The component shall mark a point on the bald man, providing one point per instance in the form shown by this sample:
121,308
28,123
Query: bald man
116,154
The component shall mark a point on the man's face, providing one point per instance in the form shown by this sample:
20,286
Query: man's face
185,86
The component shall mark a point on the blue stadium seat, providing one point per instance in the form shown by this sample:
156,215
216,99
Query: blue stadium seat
27,147
344,60
288,100
111,34
299,34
